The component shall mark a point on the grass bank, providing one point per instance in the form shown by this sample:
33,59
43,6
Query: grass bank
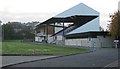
17,47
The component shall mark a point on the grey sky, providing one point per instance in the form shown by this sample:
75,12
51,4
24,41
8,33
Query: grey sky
40,10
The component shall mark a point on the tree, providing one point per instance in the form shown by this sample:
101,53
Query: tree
115,25
17,30
7,31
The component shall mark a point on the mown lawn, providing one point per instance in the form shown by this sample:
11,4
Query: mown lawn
17,47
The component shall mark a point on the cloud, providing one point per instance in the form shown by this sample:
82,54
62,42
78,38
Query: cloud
41,10
119,5
25,17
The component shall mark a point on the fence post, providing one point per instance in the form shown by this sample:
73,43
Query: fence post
34,52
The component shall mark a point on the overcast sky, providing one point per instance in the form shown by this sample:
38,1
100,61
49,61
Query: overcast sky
41,10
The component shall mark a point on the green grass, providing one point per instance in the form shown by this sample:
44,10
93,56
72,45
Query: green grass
0,47
17,47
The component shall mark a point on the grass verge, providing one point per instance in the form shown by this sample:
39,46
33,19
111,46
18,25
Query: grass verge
17,47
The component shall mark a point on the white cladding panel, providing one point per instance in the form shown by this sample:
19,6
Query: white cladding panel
90,26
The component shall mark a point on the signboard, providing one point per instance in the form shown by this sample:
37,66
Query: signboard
116,41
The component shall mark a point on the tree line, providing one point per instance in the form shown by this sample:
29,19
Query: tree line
18,30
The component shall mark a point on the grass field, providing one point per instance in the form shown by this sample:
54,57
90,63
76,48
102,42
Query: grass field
17,47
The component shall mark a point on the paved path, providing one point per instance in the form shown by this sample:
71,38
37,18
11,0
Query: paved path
99,58
0,61
113,64
8,60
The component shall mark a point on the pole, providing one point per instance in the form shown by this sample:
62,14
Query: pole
63,29
54,32
47,34
116,45
34,52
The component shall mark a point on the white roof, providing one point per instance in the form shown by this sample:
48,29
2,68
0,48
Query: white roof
90,26
80,9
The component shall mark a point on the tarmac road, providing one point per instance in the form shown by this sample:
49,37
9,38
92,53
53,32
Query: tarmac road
100,58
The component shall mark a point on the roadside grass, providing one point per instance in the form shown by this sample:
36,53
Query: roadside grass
17,47
0,47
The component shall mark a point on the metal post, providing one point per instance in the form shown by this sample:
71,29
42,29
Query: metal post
63,29
44,32
34,52
63,33
44,29
54,31
116,45
47,33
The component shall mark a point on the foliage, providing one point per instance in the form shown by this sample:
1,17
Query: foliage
17,30
115,25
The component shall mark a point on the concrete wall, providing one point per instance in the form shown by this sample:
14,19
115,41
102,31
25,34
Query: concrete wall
78,42
100,41
60,42
106,41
